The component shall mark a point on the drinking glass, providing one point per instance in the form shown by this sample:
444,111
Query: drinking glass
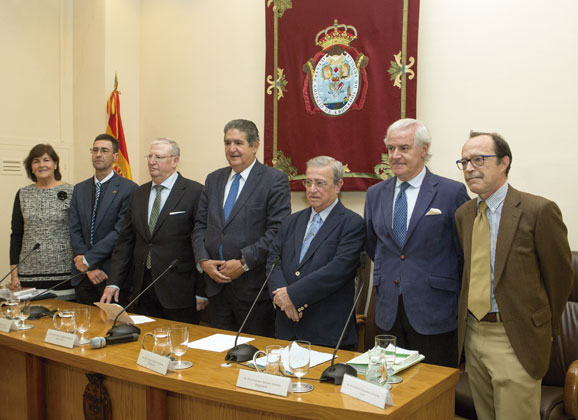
388,344
179,341
161,343
82,323
64,321
22,313
273,360
299,359
376,368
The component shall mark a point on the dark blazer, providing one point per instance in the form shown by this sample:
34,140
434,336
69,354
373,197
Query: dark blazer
170,240
428,266
532,274
322,286
112,209
253,223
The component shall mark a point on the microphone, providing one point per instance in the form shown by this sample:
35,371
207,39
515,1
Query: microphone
124,329
100,342
38,311
34,248
334,373
245,352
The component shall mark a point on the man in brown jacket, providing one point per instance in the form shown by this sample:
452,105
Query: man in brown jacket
516,281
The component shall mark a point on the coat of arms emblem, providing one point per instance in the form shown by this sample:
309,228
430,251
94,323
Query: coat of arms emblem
336,79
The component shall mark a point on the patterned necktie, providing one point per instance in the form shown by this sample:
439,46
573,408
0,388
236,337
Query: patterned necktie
479,293
230,203
154,217
313,229
93,220
400,215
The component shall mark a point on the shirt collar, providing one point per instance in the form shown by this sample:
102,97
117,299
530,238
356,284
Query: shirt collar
106,178
245,173
415,182
325,212
169,182
496,199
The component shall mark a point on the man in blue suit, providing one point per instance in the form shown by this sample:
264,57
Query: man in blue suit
313,285
97,210
412,240
240,211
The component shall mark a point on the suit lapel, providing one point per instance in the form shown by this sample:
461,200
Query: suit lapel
172,200
222,183
250,185
106,199
332,221
141,202
467,226
387,206
427,192
509,220
300,229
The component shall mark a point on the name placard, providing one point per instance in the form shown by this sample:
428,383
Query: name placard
263,382
5,324
60,338
153,361
366,391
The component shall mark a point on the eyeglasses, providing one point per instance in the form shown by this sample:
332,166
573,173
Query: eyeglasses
96,150
308,183
476,161
154,158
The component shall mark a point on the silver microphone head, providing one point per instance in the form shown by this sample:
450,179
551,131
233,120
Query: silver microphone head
97,342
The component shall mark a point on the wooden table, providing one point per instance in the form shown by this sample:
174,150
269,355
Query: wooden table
40,380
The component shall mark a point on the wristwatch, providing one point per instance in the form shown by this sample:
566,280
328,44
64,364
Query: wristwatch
244,263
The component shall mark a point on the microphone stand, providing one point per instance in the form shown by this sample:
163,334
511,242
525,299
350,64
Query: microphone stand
334,373
129,328
244,352
34,248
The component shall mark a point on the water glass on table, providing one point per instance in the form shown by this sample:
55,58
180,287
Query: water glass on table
179,342
299,360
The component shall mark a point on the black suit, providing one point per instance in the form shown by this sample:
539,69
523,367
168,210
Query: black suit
170,240
259,210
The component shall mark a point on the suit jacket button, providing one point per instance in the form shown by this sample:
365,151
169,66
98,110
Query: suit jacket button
297,273
396,282
402,257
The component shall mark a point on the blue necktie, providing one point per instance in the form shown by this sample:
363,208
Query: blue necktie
93,220
400,215
230,203
313,229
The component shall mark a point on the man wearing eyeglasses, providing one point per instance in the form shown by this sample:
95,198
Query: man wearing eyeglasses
516,281
97,211
313,286
240,212
156,231
412,241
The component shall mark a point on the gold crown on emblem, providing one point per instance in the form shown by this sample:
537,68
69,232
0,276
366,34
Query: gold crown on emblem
336,35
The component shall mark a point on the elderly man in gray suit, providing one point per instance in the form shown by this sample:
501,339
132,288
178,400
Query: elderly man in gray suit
97,211
241,209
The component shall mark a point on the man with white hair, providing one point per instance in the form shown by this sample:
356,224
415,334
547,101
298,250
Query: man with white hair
412,240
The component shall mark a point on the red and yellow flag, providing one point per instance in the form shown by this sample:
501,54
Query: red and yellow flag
114,128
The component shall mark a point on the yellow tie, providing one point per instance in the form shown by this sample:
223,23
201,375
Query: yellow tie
481,270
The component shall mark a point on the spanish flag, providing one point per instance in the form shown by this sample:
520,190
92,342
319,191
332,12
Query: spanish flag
122,166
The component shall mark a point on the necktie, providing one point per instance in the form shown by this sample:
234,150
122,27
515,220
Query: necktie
93,220
313,229
400,215
481,270
230,203
154,217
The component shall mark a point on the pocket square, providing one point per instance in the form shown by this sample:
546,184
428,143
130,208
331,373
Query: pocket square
172,213
433,212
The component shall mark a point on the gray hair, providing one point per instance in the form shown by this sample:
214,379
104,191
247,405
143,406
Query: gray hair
421,136
245,126
173,145
323,161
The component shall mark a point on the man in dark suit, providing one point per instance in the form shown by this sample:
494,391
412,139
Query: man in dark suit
240,212
156,231
313,285
516,281
97,211
411,238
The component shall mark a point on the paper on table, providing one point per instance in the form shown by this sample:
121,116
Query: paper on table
140,319
317,358
112,310
403,359
218,342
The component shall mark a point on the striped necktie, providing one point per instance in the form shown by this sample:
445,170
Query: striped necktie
154,217
400,215
93,219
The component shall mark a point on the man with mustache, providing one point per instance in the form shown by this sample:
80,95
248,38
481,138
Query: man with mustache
412,241
240,211
516,281
97,211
